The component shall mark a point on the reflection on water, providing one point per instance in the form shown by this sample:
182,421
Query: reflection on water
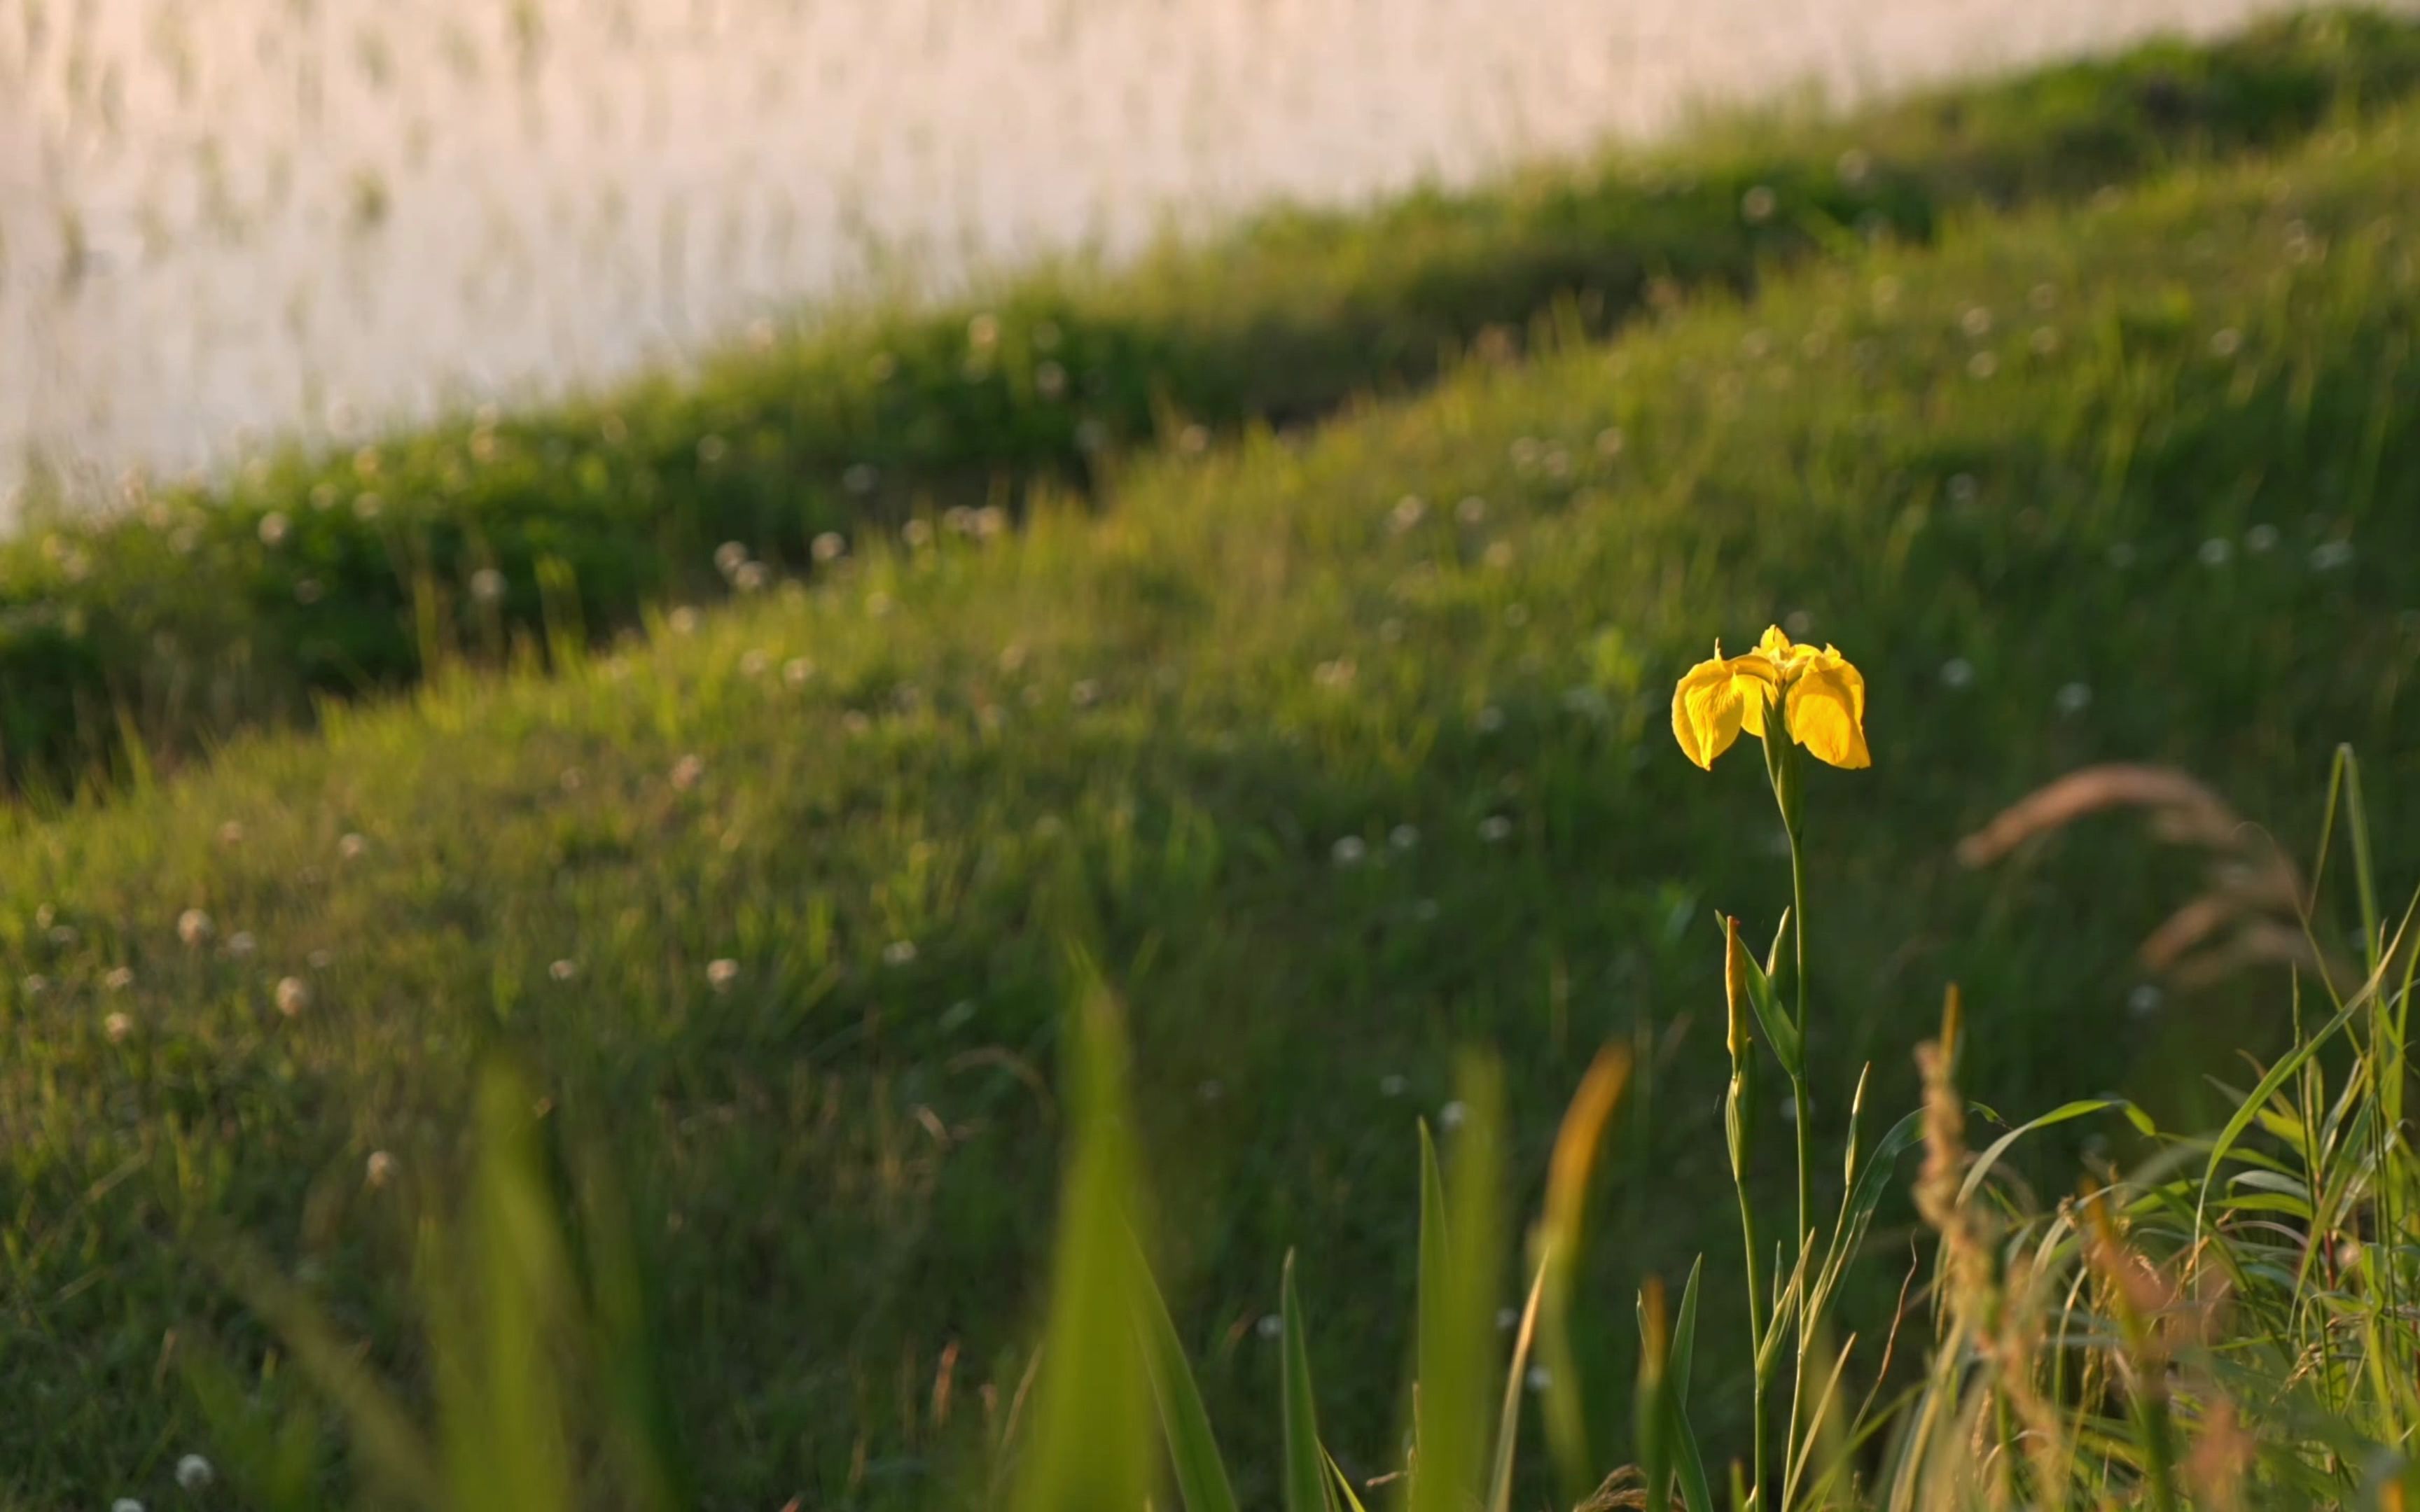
223,219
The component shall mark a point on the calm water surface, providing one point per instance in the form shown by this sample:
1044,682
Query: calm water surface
226,219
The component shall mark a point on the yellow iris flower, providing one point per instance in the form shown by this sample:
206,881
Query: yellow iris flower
1822,698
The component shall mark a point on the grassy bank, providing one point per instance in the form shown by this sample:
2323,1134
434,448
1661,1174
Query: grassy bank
1340,752
139,640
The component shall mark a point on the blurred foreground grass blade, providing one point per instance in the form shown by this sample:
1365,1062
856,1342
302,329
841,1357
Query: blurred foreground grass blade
1089,1447
387,1445
1183,1421
1560,1236
1306,1462
1459,1336
505,1302
640,1417
1654,1406
275,1463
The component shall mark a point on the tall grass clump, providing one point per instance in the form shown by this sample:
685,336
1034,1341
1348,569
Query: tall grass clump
142,633
2211,1320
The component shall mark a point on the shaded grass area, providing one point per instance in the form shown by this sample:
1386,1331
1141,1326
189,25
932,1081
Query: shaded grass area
184,616
1339,752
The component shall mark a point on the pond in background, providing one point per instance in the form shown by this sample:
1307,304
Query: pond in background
228,220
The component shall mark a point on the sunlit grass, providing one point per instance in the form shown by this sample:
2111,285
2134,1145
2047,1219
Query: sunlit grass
1333,783
182,616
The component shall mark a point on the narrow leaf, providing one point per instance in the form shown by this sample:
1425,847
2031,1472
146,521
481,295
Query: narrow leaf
1507,1421
1306,1463
1192,1448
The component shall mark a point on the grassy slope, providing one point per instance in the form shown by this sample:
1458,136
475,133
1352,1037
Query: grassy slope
1164,721
175,621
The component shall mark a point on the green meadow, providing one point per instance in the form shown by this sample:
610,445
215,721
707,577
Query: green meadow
1333,736
139,636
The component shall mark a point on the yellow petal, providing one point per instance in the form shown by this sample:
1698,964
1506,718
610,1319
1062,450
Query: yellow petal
1786,656
1757,682
1706,711
1830,657
1826,711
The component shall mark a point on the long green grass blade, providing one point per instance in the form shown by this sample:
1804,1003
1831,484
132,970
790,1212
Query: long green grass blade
1999,1147
1457,1372
1306,1463
1347,1498
1185,1422
1508,1418
1688,1461
1090,1442
2264,1089
1434,1287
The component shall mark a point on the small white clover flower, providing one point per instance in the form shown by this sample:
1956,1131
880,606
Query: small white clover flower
273,527
119,1027
1450,1117
193,1472
119,978
193,926
721,973
488,586
1403,837
242,944
899,952
563,970
378,1169
1495,829
1957,673
351,847
1351,851
293,995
